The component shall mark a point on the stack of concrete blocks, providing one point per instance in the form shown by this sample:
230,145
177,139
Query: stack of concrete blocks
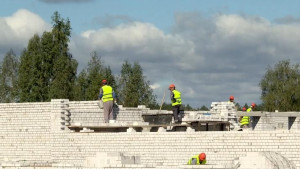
60,114
88,113
226,112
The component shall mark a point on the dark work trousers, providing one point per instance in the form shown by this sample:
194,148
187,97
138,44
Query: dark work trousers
176,113
108,110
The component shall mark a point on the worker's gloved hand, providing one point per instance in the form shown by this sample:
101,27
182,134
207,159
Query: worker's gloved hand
115,103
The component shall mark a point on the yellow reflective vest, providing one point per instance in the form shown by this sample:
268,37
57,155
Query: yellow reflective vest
190,162
107,93
246,119
177,97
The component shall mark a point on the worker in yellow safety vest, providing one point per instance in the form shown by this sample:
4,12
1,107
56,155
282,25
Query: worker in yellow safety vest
175,96
107,95
198,159
245,120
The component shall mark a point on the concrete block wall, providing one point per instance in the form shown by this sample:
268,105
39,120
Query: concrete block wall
175,148
28,134
89,113
25,132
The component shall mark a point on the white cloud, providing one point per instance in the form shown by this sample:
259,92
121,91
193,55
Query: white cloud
207,58
154,86
16,30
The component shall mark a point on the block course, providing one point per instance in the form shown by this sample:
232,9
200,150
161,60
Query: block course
32,132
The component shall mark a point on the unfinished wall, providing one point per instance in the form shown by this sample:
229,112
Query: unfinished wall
32,133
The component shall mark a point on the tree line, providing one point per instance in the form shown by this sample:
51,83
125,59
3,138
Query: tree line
46,70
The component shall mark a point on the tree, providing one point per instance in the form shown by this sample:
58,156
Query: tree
204,108
187,107
29,72
9,78
81,85
47,69
95,71
134,89
280,87
238,107
64,66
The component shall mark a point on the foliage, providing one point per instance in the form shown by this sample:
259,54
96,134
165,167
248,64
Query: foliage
64,66
280,87
47,69
81,85
134,89
89,80
8,78
203,108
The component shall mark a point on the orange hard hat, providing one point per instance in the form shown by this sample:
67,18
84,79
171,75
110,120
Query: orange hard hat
253,104
244,109
202,156
172,86
104,81
231,98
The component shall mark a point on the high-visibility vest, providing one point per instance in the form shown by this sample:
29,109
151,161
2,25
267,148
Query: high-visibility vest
246,119
190,162
177,97
107,93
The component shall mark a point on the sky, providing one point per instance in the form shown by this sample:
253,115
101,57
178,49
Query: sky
210,49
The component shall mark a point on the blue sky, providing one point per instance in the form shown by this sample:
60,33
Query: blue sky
160,13
209,49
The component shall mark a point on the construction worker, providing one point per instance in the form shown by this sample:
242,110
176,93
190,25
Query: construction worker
175,96
244,109
231,99
198,159
107,95
245,120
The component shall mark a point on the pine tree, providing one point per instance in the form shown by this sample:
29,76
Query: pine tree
29,72
81,85
47,69
134,89
9,78
94,76
203,108
64,66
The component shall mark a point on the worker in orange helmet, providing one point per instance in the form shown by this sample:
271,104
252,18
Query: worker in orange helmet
175,97
107,95
246,120
198,159
231,99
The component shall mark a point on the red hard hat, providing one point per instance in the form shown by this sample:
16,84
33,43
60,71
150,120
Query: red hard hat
202,156
104,81
244,109
253,104
172,86
231,98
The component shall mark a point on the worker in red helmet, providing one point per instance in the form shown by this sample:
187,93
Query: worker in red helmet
199,159
175,97
107,95
244,109
231,99
246,120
